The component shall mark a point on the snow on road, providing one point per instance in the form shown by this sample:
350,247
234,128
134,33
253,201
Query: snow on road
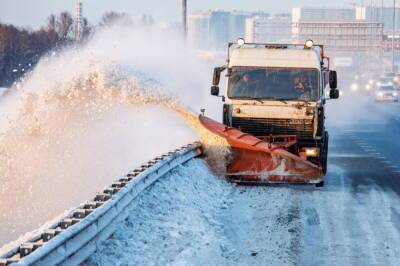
2,91
192,217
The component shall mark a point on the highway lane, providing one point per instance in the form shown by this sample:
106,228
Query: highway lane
354,219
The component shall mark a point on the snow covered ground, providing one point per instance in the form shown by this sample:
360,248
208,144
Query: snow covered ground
178,221
2,91
192,217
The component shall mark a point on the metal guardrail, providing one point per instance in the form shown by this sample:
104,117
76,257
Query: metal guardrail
76,236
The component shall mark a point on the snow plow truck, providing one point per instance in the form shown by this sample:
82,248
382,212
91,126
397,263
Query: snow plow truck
274,112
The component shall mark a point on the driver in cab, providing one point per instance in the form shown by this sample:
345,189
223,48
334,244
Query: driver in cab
301,88
245,87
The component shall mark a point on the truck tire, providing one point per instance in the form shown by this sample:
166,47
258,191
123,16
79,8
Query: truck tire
324,153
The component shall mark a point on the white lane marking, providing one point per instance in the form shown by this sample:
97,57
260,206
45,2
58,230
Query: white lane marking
376,153
391,166
366,147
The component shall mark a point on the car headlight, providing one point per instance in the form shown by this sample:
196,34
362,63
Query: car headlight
354,87
394,94
371,82
396,79
367,87
380,94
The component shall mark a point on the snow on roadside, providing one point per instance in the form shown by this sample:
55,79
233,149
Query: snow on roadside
174,222
2,91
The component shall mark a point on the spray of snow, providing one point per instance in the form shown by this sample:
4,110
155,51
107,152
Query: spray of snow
88,115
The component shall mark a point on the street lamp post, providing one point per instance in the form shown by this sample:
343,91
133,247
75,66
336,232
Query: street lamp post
184,18
393,34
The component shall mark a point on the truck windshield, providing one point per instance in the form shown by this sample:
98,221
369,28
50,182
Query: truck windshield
273,83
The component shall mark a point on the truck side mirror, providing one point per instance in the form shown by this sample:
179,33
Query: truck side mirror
217,75
216,80
333,79
214,90
334,93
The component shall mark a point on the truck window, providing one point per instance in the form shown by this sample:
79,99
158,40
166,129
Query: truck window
273,83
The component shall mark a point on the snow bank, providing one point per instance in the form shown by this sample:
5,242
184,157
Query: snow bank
2,91
176,222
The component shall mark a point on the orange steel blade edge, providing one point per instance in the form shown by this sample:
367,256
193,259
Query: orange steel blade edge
257,160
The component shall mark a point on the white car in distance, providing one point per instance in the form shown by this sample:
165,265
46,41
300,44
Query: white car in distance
386,93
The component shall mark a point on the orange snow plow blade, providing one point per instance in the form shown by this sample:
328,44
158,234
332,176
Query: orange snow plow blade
255,160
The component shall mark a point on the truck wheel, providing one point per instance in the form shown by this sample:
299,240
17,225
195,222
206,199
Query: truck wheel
324,154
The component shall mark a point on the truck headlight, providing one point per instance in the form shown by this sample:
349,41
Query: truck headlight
380,94
310,152
237,110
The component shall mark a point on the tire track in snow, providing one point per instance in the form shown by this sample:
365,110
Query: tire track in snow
262,225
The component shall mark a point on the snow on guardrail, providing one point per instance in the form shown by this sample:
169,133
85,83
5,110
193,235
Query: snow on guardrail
76,236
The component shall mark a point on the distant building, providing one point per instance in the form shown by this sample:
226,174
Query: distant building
338,35
214,29
219,29
378,14
273,29
355,29
352,34
199,29
322,14
237,25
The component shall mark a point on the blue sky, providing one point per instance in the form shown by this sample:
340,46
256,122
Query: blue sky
33,13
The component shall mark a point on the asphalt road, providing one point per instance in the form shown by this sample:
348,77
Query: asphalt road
353,220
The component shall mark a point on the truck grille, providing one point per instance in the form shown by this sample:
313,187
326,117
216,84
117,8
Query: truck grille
266,126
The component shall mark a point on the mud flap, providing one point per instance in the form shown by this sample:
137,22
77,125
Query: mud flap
255,160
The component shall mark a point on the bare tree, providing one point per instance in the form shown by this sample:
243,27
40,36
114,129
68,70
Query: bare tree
51,22
112,17
64,25
86,28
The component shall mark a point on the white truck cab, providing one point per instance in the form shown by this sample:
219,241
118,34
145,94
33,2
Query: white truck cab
276,92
